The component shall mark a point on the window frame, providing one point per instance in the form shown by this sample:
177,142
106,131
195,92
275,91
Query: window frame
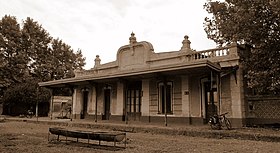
160,102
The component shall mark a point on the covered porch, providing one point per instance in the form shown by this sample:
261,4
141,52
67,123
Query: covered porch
183,94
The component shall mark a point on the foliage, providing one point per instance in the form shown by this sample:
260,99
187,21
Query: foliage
20,97
30,50
50,59
28,55
13,58
255,23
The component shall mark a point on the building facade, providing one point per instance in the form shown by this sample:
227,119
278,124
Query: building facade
177,87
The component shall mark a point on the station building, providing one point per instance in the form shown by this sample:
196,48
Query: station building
176,87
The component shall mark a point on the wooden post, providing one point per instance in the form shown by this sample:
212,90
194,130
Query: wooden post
51,105
37,98
219,89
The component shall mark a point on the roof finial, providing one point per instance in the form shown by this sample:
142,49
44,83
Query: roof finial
97,61
132,38
186,45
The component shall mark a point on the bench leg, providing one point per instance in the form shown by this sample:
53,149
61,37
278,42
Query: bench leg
88,140
57,138
125,141
115,142
48,136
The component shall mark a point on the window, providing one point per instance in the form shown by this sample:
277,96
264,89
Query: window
133,101
165,100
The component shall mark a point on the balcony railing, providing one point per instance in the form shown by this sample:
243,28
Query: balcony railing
209,53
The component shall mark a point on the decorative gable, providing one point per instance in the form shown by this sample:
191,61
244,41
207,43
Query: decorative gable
135,55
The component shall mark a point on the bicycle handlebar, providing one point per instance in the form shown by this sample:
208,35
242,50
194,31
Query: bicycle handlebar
223,114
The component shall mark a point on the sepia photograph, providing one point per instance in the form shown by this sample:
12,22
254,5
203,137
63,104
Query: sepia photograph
139,76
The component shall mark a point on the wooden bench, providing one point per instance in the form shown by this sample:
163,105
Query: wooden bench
110,136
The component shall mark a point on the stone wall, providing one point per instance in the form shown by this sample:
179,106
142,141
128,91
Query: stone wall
225,96
263,110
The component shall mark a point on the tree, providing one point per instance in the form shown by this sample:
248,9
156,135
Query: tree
35,42
59,63
29,55
255,23
21,97
13,58
32,52
50,59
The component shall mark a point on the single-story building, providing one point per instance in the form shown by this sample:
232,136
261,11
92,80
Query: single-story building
177,87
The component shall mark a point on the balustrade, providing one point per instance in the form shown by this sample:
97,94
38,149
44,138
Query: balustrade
209,53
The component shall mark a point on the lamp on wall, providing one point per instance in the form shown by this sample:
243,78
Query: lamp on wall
107,86
214,85
213,80
85,89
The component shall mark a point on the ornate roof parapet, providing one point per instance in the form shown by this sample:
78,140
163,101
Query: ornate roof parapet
78,72
97,61
132,39
134,55
186,45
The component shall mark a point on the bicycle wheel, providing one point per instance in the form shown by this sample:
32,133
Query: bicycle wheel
215,126
228,124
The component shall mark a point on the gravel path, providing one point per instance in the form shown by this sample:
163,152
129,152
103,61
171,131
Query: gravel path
22,137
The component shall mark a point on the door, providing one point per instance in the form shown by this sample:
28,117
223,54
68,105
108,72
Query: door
165,98
85,103
107,103
210,100
133,101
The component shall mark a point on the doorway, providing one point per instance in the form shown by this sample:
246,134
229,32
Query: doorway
209,97
133,101
85,104
107,103
165,97
210,102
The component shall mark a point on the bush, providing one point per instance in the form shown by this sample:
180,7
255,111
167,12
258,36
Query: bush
21,97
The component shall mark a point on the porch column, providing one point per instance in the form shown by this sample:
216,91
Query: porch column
120,98
51,105
145,102
74,103
185,96
92,100
237,98
77,102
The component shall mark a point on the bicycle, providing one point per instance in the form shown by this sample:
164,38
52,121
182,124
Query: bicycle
219,121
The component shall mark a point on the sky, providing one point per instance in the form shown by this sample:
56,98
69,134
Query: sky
101,27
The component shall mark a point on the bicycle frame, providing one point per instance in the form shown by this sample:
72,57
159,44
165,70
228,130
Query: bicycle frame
221,120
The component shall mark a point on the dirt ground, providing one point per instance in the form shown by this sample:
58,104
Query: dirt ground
23,137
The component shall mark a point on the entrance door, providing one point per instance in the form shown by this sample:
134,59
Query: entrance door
85,102
211,101
165,98
133,101
107,102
